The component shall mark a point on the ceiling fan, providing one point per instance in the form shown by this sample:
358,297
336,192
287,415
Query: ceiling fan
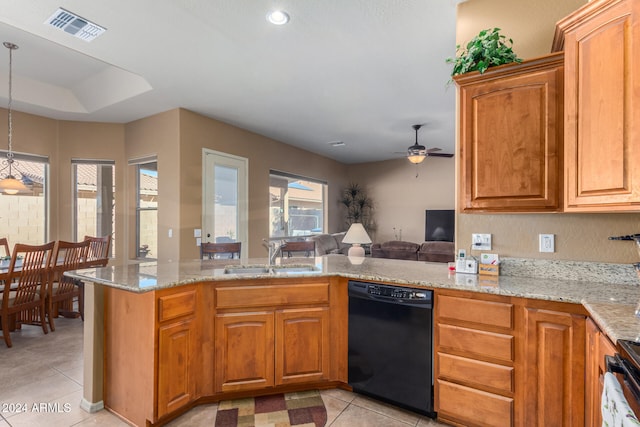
417,153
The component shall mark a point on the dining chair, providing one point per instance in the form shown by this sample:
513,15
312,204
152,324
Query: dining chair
25,288
220,250
98,253
306,246
64,290
4,244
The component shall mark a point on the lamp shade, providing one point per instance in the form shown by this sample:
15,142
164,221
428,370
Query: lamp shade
356,235
10,185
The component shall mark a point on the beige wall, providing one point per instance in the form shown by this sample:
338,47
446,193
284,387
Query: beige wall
529,23
61,141
578,236
264,154
158,135
400,198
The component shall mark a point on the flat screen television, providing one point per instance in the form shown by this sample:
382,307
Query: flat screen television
440,225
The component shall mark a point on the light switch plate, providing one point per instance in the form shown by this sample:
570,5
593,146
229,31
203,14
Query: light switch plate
546,242
481,242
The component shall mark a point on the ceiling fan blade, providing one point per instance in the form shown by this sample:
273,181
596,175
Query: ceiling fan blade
431,150
439,154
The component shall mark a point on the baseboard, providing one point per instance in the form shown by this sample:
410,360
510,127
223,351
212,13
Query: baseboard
91,407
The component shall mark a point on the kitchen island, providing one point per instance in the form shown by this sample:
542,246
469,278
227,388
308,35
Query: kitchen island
142,306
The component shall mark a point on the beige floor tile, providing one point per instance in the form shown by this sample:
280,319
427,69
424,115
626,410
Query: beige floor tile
3,423
333,406
357,416
338,393
103,419
201,415
386,409
62,412
428,422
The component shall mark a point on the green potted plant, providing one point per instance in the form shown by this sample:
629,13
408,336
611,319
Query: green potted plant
488,49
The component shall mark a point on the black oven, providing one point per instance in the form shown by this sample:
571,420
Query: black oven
621,393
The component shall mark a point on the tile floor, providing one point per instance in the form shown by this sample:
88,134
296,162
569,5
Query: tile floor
41,385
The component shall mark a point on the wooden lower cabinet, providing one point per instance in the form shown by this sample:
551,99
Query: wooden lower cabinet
554,367
244,351
302,345
175,372
169,349
598,346
508,361
474,360
258,350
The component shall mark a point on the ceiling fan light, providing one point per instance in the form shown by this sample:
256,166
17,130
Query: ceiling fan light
416,158
416,153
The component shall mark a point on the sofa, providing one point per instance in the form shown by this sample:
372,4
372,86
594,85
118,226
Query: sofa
435,251
330,244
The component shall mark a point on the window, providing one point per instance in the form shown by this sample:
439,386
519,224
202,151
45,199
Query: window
93,198
297,205
146,208
24,218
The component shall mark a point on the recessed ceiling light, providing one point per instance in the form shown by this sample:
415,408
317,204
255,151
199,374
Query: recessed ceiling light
337,143
278,17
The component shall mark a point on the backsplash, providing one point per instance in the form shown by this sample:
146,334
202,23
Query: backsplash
619,274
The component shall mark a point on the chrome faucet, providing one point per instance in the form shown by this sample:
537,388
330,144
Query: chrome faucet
274,250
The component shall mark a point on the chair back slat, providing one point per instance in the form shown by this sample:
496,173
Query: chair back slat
210,250
29,273
4,245
68,256
98,252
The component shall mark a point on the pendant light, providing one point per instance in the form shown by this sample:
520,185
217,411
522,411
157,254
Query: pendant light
9,184
416,153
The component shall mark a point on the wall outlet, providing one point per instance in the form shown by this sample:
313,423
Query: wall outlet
481,242
546,242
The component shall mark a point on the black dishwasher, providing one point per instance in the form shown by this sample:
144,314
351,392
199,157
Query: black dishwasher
391,344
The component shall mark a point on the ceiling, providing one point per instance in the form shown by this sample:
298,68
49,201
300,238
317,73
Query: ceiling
357,71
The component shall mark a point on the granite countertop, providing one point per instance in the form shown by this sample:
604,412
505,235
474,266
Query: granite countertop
610,293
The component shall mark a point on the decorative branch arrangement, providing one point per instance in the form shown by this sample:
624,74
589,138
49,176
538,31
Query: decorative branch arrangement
359,206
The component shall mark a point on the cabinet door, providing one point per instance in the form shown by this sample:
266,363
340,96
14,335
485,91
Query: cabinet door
598,345
175,366
602,135
244,351
554,368
510,137
302,345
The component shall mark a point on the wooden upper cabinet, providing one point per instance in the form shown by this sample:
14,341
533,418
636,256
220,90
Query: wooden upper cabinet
602,106
511,137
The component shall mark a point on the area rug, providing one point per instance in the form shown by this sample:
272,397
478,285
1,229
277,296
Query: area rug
301,409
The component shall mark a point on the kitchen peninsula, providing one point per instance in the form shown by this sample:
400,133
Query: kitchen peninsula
179,334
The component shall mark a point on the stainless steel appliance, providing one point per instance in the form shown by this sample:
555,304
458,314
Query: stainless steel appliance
391,345
626,366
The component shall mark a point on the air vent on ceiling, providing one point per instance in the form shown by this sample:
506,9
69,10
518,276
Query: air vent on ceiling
75,25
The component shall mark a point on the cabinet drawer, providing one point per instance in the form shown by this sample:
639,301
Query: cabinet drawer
176,305
481,343
470,310
475,372
473,406
270,295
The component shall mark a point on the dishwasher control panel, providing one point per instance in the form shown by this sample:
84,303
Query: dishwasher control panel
393,292
373,290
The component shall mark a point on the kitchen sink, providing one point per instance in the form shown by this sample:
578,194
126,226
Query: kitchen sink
277,269
247,270
285,269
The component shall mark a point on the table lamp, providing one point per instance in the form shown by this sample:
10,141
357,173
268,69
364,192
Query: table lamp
356,236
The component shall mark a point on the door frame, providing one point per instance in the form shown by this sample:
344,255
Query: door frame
242,163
